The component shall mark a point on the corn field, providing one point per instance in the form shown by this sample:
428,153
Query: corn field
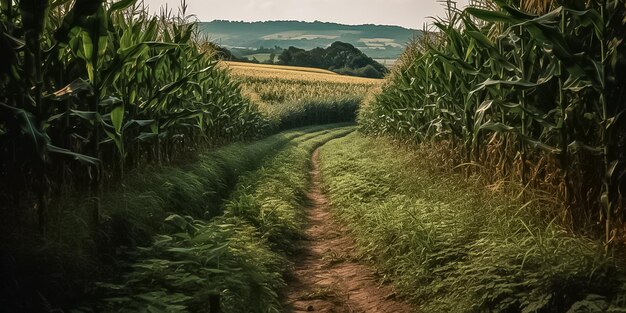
297,96
90,89
273,85
533,90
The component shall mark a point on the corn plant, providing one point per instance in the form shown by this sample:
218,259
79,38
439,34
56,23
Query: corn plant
92,88
517,85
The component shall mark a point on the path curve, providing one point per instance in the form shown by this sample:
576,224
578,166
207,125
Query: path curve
327,277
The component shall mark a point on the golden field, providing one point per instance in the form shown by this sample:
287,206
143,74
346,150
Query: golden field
272,85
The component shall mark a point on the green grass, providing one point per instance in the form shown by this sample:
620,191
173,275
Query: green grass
241,255
76,250
269,198
452,245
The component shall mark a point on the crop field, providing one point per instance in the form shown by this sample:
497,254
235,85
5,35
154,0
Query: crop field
272,85
485,173
295,96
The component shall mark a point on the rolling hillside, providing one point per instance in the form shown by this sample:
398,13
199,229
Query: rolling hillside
380,42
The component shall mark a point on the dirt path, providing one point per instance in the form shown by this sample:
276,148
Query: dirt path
327,278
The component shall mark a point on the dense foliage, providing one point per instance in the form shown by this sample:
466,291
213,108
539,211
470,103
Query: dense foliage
239,256
526,88
164,241
89,89
340,57
293,96
452,245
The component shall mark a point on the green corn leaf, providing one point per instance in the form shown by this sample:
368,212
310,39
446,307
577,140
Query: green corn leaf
87,50
491,16
178,221
110,102
116,138
87,115
514,12
28,126
146,136
121,5
513,82
140,123
77,156
576,146
117,118
577,84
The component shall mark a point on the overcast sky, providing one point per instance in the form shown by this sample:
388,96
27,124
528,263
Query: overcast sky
407,13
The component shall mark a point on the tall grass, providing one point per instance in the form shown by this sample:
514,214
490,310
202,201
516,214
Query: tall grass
154,211
273,197
59,269
239,256
456,245
518,86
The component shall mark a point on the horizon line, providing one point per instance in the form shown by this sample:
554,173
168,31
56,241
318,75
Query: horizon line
311,22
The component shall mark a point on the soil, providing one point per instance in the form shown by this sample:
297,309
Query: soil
327,275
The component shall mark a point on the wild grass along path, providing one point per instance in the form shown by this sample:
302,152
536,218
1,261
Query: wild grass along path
326,277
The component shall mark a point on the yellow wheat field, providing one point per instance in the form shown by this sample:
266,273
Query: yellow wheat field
272,85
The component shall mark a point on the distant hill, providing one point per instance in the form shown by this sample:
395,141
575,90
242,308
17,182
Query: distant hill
377,41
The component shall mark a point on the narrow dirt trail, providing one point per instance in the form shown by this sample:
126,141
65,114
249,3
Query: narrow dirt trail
326,277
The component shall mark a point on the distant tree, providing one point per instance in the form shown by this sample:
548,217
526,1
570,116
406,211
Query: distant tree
219,52
340,57
287,56
369,71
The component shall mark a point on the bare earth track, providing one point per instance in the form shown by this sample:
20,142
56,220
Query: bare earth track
326,277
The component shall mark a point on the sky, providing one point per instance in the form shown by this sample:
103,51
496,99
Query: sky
406,13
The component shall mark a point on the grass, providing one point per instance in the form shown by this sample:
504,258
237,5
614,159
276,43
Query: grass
453,244
270,198
240,255
75,251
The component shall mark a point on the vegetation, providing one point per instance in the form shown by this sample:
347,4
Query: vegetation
129,182
91,90
221,53
239,256
258,55
75,251
162,220
452,245
532,93
340,57
293,96
97,101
